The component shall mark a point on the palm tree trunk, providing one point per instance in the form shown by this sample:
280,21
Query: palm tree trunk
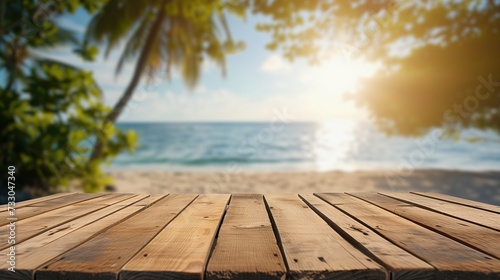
136,77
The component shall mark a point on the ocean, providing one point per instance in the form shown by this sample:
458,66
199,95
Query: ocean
325,146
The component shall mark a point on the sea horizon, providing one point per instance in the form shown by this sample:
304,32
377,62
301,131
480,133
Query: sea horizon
256,146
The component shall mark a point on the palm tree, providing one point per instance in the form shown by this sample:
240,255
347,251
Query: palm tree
160,35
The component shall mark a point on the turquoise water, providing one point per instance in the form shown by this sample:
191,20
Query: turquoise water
337,145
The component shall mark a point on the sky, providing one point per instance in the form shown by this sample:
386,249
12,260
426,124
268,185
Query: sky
259,84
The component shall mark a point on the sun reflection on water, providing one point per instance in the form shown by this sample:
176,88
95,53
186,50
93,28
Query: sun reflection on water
333,143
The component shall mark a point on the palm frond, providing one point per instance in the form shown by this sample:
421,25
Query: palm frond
182,42
115,21
134,44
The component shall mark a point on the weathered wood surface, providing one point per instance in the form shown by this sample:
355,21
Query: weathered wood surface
313,250
402,264
37,251
184,244
252,236
40,199
458,200
451,258
478,216
481,238
38,224
103,256
39,207
246,247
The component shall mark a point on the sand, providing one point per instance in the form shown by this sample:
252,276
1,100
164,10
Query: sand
479,186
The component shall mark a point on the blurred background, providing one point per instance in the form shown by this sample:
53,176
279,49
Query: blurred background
265,96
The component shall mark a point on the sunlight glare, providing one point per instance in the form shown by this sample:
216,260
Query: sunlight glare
339,76
334,141
329,83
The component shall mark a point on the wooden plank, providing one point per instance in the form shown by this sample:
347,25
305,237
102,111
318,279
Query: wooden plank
46,206
246,247
37,224
105,200
313,250
477,216
462,201
66,228
38,242
150,200
180,251
29,262
451,258
478,237
36,200
102,256
402,264
63,201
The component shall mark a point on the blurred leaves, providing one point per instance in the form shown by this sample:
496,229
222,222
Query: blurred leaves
51,112
436,55
439,86
433,54
163,36
87,52
187,33
48,127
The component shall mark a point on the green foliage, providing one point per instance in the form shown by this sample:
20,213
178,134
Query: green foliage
87,52
186,33
439,86
433,54
50,111
161,35
47,129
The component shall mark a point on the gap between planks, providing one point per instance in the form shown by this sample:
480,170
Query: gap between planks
451,258
480,238
314,207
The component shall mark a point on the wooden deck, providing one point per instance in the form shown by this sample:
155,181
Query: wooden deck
244,236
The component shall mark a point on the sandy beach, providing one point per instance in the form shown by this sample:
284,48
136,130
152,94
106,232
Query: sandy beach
479,186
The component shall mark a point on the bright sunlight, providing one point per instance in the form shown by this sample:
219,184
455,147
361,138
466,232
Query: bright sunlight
329,83
340,75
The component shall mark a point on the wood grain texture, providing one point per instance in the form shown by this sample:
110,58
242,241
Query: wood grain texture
30,259
38,224
322,236
313,250
36,200
478,237
451,258
246,247
107,200
402,264
46,206
103,256
181,250
477,216
150,200
49,236
462,201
